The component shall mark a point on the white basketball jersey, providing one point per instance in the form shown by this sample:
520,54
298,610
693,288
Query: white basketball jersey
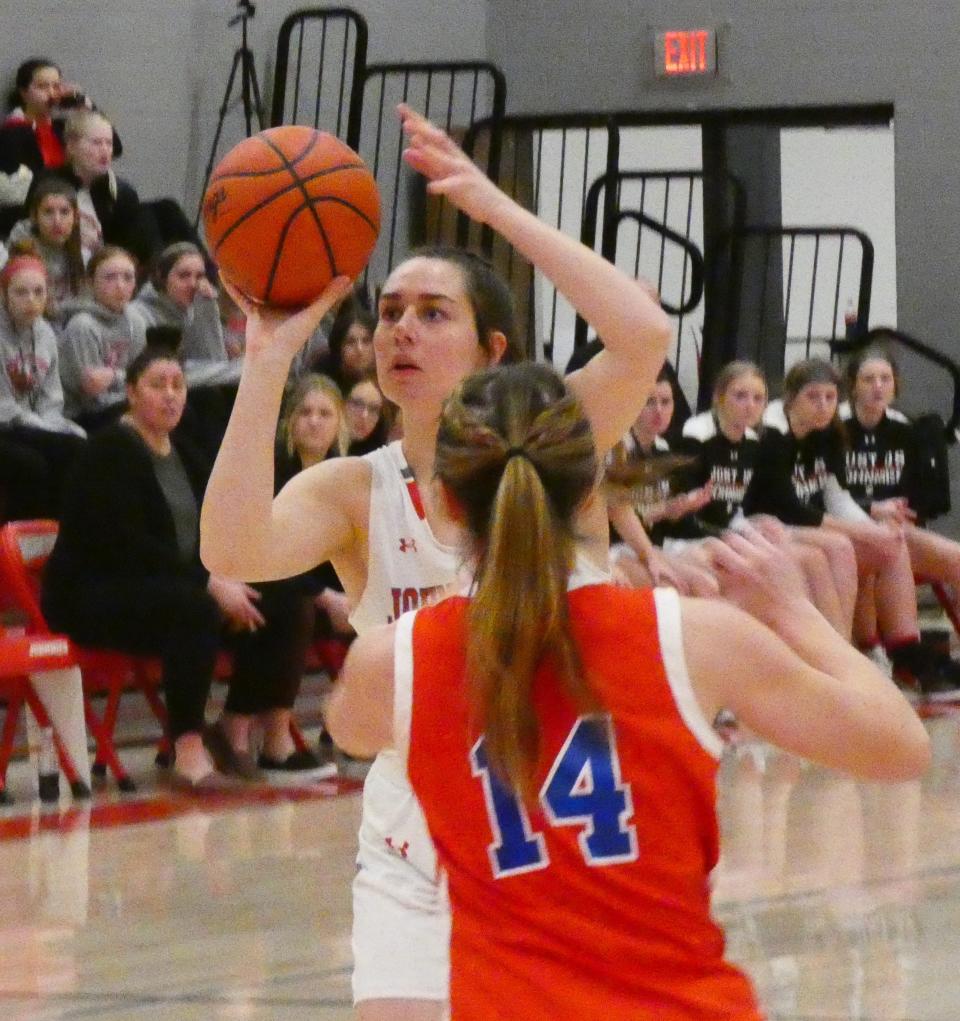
406,565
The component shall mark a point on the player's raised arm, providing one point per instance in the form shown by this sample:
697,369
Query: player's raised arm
634,329
244,533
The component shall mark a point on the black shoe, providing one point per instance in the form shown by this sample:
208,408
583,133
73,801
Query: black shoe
297,767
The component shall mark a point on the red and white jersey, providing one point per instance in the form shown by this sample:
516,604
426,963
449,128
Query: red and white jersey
593,901
406,566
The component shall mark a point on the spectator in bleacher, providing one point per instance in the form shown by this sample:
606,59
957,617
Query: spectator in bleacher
125,572
31,395
180,296
102,336
32,135
368,416
53,228
350,354
800,478
110,209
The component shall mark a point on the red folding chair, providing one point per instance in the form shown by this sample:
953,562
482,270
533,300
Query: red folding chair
24,549
20,656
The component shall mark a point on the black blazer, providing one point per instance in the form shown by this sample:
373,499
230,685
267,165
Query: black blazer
115,520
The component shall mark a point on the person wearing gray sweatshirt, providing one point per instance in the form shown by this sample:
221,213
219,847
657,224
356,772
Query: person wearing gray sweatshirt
31,395
179,294
104,333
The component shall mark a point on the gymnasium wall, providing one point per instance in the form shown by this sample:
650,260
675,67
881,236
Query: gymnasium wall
777,52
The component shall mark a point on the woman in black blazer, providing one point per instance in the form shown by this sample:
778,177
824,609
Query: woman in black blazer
125,571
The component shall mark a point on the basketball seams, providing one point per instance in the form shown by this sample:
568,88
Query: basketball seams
232,175
316,218
279,194
349,205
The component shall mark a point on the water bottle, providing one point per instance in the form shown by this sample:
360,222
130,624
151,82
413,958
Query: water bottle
48,767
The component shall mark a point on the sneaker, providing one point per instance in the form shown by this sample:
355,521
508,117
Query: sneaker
297,767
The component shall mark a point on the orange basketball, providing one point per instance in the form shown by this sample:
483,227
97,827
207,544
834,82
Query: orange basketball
289,209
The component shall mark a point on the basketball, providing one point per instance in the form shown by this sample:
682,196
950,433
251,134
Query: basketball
289,209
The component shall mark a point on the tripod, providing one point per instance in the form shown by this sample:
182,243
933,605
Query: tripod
249,91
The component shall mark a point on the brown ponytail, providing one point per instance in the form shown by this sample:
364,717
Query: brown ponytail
515,452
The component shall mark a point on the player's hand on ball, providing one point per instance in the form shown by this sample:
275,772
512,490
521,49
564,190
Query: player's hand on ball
450,171
278,331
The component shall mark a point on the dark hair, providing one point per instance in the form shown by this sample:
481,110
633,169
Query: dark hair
25,73
167,259
150,354
489,296
101,255
874,351
814,370
350,313
380,433
515,454
165,337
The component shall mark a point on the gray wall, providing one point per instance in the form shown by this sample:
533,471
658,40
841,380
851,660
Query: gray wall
158,68
568,55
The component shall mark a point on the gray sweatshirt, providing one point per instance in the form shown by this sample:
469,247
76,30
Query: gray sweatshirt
201,326
95,337
30,390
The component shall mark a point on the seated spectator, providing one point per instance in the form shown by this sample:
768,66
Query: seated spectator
368,417
53,229
179,296
725,446
884,461
125,571
350,354
102,336
31,395
110,209
642,522
800,478
32,136
311,430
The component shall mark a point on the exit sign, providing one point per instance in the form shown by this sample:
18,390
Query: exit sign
686,53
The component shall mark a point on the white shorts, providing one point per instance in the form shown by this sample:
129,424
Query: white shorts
401,915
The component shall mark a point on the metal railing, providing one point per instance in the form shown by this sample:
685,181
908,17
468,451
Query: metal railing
321,54
456,96
547,164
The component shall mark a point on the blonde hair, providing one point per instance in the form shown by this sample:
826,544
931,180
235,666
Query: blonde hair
79,121
516,455
313,383
730,372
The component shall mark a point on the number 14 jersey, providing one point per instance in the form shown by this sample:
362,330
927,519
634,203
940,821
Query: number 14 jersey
595,901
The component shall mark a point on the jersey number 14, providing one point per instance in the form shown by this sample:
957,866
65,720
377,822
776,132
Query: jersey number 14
583,788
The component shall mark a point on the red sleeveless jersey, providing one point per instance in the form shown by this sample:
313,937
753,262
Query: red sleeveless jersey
593,903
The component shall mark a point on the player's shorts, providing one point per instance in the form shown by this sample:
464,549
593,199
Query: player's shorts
401,916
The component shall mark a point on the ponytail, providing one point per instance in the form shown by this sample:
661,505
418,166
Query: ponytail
515,453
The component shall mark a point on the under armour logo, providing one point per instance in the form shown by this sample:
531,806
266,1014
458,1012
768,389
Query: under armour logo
401,850
408,545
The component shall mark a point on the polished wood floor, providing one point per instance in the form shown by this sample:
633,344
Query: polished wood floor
841,899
